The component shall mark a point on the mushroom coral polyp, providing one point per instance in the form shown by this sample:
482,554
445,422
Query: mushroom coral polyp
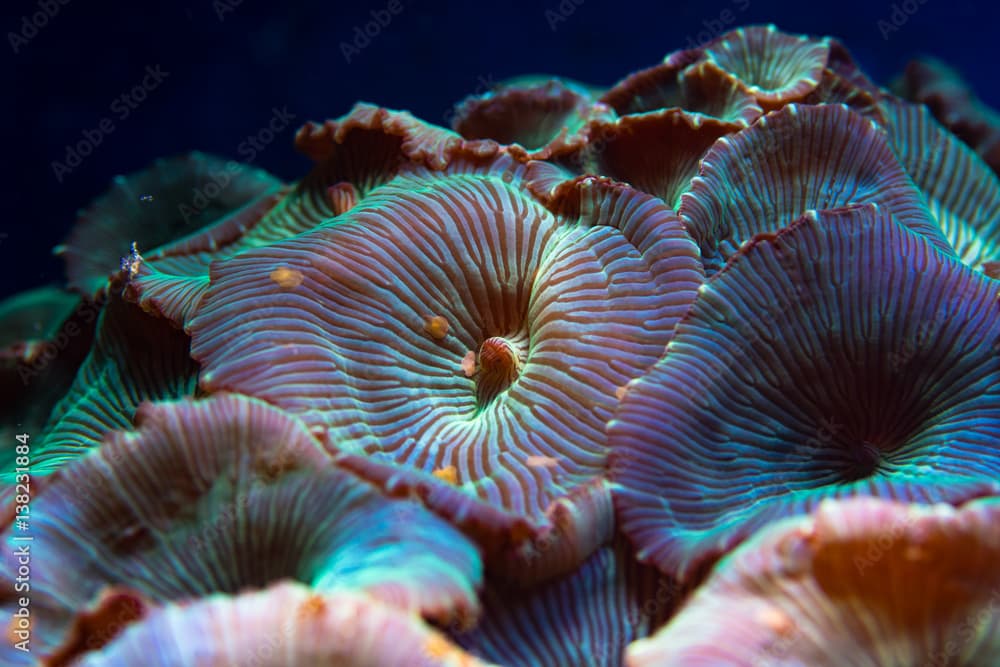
561,385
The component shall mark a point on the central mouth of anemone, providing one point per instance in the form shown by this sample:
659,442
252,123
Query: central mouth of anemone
498,365
862,460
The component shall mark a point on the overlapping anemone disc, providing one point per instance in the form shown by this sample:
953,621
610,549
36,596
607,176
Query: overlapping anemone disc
135,357
657,152
777,67
43,343
354,154
863,581
379,342
586,617
842,356
222,495
703,90
171,280
173,197
931,82
34,316
285,625
794,160
842,63
404,138
961,190
838,86
544,119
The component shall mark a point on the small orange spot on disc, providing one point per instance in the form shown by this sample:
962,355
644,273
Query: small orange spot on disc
314,606
436,326
541,461
438,647
621,391
448,474
287,278
469,363
776,620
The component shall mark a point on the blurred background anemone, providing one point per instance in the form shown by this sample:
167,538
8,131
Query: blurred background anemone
233,66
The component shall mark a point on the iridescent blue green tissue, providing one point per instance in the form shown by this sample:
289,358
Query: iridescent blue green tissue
371,342
353,154
285,625
173,198
861,581
586,617
777,67
962,191
658,152
843,356
544,118
794,160
135,357
223,495
47,333
43,341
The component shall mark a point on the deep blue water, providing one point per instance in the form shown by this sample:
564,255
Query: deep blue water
224,66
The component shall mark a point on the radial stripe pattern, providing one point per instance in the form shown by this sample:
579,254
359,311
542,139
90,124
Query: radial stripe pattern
286,625
225,494
544,118
955,105
171,280
584,303
584,618
701,89
791,161
962,192
776,67
657,152
171,198
843,582
47,333
136,357
843,356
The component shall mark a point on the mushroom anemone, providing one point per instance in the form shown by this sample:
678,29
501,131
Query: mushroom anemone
536,119
586,617
843,356
285,625
218,496
766,176
839,586
453,336
174,197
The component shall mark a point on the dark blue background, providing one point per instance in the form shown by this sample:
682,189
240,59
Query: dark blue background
226,75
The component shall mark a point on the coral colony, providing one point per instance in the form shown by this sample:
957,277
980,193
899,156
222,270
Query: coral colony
699,369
